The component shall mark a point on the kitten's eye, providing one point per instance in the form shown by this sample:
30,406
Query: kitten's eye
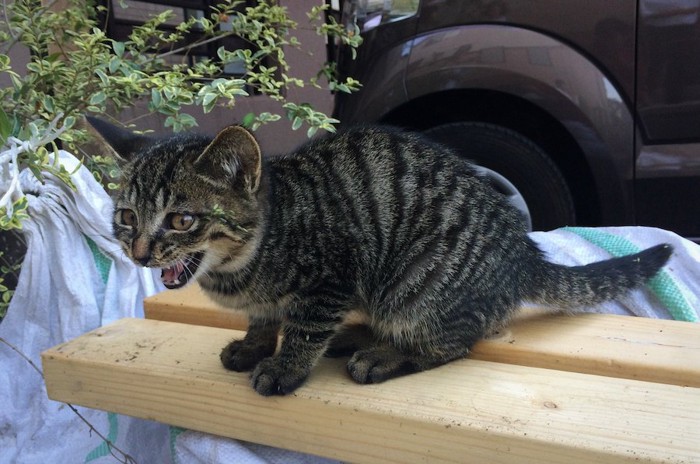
181,221
127,217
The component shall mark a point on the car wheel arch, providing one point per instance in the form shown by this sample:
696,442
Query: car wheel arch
592,114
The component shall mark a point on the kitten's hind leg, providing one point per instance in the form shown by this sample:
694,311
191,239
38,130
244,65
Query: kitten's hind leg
259,343
371,360
384,362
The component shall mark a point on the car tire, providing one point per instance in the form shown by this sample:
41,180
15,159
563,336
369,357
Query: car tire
523,164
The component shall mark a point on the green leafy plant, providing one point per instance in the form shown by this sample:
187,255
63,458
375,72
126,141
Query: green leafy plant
75,68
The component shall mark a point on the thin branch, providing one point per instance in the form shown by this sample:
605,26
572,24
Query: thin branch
191,46
122,456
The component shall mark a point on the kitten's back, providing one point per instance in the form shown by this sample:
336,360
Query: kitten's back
421,215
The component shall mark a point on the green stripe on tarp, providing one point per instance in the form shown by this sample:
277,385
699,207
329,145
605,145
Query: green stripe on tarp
102,262
666,289
174,433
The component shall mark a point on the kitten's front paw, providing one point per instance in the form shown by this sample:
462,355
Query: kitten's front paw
240,356
270,377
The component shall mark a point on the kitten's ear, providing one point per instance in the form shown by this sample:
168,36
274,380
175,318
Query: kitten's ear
123,143
234,152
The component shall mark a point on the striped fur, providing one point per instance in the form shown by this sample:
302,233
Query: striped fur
372,219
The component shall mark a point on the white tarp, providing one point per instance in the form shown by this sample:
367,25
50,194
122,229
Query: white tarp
61,293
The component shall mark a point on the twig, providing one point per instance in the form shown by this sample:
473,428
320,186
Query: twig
191,46
120,455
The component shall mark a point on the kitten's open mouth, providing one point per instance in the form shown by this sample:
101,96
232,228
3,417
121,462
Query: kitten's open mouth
181,273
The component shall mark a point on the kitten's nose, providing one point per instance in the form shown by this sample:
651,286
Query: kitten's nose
141,251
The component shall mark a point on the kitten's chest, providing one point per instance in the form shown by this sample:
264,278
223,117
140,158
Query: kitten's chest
249,300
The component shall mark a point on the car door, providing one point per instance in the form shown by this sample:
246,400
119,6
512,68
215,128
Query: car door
667,185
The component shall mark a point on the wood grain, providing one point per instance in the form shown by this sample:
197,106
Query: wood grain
467,411
615,346
626,347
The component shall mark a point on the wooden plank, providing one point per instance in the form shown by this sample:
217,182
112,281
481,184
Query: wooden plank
189,305
652,350
616,346
468,410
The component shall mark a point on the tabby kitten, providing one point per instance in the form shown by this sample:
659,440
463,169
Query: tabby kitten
372,218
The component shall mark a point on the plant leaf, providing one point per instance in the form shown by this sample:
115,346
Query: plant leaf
5,127
118,48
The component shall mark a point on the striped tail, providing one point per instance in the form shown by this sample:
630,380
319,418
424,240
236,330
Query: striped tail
571,287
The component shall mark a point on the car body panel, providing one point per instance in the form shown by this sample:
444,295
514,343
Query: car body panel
597,28
380,65
668,69
668,188
667,185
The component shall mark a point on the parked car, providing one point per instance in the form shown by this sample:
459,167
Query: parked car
583,112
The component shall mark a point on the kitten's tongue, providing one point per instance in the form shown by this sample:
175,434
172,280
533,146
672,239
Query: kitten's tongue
174,276
182,271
